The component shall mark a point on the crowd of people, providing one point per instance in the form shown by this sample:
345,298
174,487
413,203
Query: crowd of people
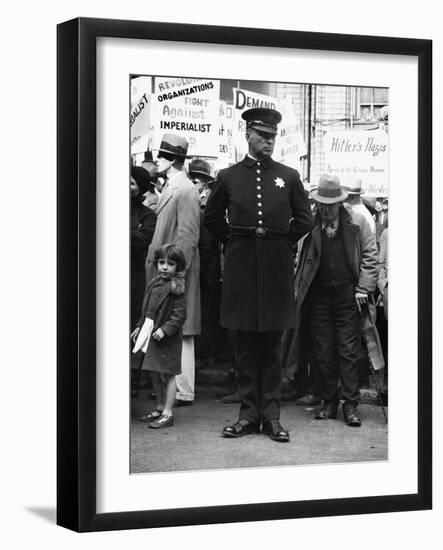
294,283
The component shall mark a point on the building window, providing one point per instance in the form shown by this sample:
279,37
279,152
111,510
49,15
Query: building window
370,101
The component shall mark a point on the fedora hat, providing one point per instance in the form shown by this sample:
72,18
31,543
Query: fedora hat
354,187
329,190
200,167
263,120
174,145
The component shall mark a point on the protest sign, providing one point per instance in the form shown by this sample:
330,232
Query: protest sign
226,145
290,146
188,107
359,153
140,116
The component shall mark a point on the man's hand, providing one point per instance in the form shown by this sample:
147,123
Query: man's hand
158,335
361,298
134,334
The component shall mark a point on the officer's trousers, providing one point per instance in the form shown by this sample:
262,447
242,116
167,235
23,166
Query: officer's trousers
259,374
336,329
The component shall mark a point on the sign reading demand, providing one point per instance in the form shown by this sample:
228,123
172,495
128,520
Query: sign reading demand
242,101
363,154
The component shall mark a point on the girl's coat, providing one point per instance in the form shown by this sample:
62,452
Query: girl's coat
169,315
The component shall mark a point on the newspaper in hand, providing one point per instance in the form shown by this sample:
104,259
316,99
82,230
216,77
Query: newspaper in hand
143,336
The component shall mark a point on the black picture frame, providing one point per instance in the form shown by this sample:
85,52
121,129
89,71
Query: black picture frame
76,280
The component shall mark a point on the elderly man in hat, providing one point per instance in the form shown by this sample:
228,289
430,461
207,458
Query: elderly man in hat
178,222
336,275
353,199
267,210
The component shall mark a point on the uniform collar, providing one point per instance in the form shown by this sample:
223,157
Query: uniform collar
251,162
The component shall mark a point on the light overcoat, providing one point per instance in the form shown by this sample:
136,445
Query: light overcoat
178,222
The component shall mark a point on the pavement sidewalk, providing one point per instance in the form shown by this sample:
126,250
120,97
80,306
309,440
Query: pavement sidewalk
195,441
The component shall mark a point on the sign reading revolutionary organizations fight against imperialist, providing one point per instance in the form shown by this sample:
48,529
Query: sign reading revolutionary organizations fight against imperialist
188,107
362,154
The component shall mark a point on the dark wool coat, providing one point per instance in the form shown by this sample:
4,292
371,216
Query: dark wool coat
362,257
257,290
170,314
142,230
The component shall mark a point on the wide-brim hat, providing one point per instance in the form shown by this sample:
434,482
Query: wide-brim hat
174,145
200,167
329,190
263,120
354,187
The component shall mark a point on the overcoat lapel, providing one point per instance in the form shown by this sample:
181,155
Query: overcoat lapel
168,193
350,238
316,241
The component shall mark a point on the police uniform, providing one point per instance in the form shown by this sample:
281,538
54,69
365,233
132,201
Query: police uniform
267,211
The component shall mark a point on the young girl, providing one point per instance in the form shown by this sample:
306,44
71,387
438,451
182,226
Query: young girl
164,308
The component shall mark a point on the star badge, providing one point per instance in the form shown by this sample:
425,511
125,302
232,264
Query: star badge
279,182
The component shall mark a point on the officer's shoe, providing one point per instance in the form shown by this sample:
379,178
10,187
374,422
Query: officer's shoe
350,415
240,428
329,410
274,429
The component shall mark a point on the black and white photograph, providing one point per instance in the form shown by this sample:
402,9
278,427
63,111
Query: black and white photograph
259,273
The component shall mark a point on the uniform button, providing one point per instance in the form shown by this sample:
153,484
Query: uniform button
258,171
258,187
258,196
258,163
260,204
258,179
260,222
260,213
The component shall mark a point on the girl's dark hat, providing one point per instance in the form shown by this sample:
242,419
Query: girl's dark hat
263,120
329,190
200,167
142,178
174,145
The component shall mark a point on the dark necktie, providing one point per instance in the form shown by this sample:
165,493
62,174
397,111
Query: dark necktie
330,230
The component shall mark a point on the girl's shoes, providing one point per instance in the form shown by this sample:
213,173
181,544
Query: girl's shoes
150,417
162,422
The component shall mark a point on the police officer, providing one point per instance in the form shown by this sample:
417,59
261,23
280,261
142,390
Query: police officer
267,211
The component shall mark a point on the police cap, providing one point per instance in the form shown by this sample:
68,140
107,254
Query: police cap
263,120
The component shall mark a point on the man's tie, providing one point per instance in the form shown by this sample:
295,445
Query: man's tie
330,230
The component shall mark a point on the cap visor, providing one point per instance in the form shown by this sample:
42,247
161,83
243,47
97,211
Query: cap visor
267,129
